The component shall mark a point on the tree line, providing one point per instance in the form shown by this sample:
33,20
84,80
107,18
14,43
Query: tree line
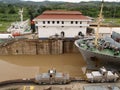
9,12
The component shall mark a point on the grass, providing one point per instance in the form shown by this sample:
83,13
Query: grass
6,20
112,21
4,25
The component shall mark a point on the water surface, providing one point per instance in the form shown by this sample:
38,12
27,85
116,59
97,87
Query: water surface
27,66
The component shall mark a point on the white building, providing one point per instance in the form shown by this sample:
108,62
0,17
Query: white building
66,23
106,31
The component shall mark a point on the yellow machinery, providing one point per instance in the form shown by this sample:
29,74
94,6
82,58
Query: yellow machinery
28,88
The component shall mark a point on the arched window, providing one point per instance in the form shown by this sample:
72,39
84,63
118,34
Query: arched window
79,33
62,34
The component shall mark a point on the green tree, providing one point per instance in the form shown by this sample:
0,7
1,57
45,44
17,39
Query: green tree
11,9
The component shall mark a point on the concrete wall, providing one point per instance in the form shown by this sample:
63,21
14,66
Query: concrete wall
37,47
69,47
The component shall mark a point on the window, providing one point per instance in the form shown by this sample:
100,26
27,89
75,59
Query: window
44,26
53,22
80,22
62,22
48,22
76,22
80,26
43,22
58,22
71,22
79,33
62,33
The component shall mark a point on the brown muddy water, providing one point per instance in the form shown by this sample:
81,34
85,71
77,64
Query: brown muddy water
27,66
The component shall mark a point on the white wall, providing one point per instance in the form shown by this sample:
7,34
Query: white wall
106,30
71,30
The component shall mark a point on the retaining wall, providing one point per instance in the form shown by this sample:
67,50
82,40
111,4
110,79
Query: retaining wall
36,47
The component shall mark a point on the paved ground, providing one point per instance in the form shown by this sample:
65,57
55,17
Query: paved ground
72,86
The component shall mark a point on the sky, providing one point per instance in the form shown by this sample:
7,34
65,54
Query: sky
73,0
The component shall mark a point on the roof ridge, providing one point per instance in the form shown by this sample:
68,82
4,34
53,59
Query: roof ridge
61,12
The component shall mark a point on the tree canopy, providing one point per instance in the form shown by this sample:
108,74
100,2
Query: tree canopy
9,11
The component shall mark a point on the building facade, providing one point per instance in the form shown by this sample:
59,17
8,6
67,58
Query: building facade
68,24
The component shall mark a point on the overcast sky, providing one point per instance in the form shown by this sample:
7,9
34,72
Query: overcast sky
73,0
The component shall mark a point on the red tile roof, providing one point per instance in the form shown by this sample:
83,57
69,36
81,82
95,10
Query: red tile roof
58,14
62,12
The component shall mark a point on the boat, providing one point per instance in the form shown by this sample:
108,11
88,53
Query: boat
97,52
20,27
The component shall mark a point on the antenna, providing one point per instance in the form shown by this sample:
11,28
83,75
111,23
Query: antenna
100,19
21,14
